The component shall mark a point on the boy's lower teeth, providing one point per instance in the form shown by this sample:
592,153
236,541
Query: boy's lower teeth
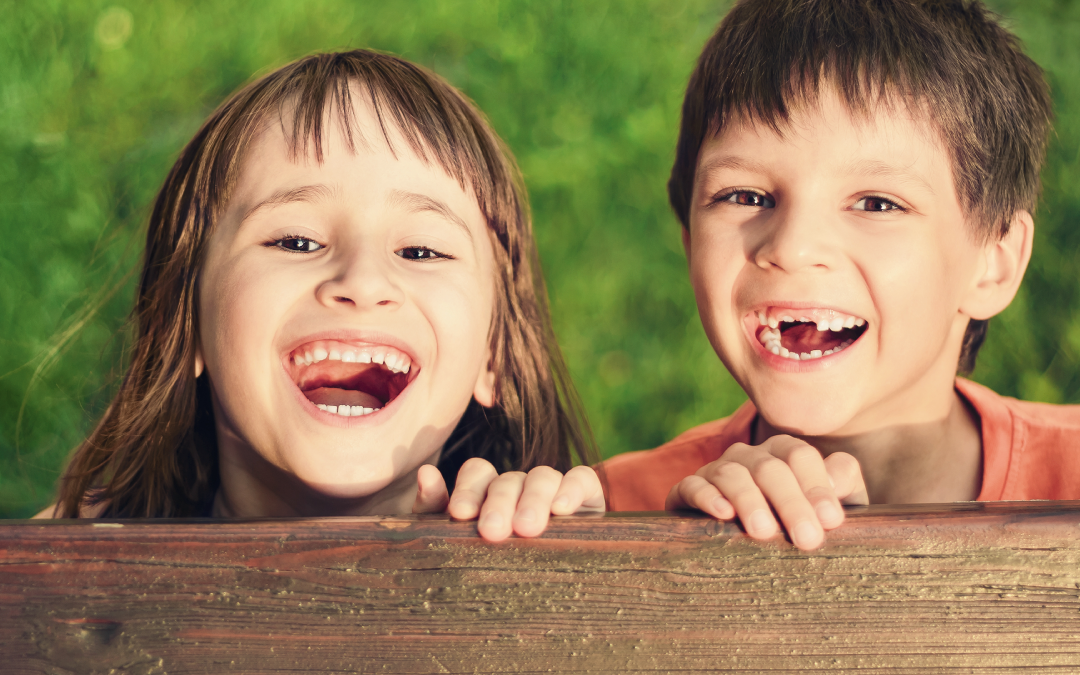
347,410
770,337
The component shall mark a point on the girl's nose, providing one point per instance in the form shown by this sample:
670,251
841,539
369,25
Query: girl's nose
360,279
794,240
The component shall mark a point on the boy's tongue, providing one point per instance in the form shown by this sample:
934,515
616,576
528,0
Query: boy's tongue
805,337
334,396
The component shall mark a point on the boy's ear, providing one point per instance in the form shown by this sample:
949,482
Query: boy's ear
686,240
484,391
1005,261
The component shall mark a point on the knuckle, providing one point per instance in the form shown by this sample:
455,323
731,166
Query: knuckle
804,455
727,472
477,464
769,467
544,472
843,465
506,482
581,471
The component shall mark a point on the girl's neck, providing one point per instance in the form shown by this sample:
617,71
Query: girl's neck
252,487
938,461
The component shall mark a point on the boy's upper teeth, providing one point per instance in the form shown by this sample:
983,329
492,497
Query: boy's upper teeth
824,319
391,358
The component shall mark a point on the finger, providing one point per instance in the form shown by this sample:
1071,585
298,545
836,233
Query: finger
694,492
471,488
497,513
808,467
779,485
737,485
846,474
534,505
431,494
580,491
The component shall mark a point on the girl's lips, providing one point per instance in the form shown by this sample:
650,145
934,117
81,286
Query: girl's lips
347,379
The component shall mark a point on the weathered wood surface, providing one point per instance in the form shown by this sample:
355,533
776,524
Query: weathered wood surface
963,588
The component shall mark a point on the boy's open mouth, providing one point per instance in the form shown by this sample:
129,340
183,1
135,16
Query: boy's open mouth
350,380
807,334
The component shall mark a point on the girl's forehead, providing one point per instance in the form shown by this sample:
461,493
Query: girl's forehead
283,150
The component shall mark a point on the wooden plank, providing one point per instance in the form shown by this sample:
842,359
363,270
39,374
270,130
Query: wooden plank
973,588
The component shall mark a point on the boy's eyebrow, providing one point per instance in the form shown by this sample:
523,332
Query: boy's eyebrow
419,203
734,162
880,169
863,167
306,193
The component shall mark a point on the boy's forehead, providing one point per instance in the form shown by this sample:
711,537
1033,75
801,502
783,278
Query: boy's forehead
859,137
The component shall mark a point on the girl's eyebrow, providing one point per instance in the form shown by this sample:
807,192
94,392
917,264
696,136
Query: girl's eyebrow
306,193
418,203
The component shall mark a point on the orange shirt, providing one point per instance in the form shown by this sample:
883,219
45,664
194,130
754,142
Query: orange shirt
1030,451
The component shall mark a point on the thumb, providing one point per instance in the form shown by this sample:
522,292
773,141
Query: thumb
847,479
431,494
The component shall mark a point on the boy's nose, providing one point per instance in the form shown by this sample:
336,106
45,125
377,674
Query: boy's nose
794,241
360,279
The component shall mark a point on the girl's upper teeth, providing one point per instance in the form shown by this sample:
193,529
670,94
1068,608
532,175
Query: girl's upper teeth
392,359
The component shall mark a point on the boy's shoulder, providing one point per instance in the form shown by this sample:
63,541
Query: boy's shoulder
1030,450
640,481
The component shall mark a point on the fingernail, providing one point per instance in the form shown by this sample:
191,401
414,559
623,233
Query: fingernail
491,521
562,502
719,505
804,535
526,516
760,523
827,513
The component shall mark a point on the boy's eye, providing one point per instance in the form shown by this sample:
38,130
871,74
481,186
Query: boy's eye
876,205
420,253
748,198
298,244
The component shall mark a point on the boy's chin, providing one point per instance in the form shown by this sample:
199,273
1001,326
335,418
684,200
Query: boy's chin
819,416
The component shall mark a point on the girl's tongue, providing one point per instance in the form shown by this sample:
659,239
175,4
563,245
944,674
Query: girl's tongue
350,397
334,383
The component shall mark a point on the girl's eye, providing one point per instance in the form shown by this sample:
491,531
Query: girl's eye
420,253
748,198
877,205
297,244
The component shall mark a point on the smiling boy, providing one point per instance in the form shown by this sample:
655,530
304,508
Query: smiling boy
855,182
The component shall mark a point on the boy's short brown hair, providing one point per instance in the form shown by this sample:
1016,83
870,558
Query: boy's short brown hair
950,59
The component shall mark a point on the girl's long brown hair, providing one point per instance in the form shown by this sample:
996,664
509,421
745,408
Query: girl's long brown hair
154,452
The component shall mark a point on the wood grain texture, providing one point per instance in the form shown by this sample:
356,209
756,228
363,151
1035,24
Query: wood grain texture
971,588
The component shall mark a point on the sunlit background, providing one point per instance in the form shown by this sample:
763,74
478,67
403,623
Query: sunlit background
96,100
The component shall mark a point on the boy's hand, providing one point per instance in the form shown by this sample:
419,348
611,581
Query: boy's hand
513,502
783,472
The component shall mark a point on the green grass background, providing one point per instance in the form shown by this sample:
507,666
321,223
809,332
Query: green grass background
96,99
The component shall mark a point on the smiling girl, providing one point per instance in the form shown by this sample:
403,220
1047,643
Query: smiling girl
340,286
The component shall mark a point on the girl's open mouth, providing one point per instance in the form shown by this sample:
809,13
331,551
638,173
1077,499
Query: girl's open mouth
805,334
350,380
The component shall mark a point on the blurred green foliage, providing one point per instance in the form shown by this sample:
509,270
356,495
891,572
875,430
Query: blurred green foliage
97,98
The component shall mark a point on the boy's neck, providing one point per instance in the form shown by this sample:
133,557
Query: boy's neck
931,462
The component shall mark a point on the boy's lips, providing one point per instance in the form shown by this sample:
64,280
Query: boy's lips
806,333
346,378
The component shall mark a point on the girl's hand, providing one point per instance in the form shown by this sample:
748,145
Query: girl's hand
783,473
513,502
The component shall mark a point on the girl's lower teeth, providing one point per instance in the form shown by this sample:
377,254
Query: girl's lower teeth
347,410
